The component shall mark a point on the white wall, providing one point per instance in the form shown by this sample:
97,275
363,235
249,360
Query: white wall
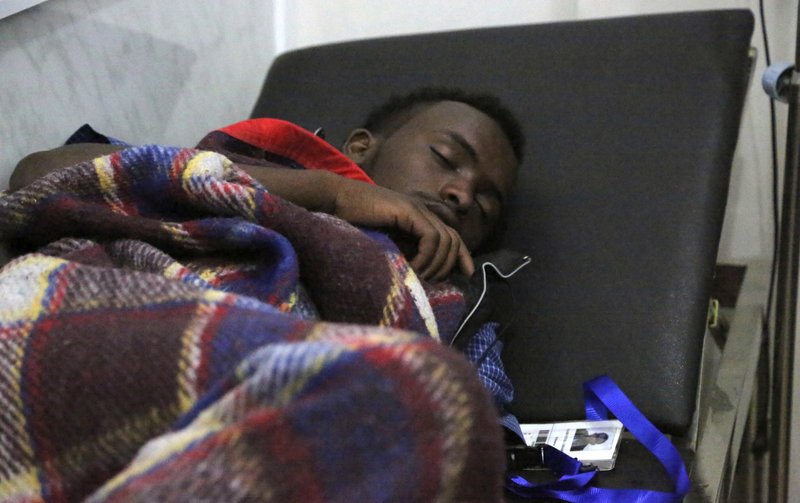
148,71
8,7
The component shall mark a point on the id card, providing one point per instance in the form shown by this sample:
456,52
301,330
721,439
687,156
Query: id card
593,443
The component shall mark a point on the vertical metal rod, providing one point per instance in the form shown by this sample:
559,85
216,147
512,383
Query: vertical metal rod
761,415
786,298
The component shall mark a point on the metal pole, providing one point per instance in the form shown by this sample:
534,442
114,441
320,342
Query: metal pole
786,297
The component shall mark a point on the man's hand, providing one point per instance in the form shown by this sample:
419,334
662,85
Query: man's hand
439,247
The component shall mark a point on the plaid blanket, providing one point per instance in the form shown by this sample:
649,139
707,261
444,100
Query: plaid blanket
179,334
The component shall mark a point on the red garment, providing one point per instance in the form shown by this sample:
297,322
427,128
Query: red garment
290,141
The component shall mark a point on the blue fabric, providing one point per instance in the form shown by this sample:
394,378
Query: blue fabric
484,350
603,396
86,134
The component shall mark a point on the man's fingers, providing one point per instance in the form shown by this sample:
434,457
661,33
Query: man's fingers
428,246
465,262
458,254
442,271
442,252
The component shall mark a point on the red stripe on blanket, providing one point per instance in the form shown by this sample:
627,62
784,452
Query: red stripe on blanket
206,346
412,392
34,393
118,175
179,163
288,140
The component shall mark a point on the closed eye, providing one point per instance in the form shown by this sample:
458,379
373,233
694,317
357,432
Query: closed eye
442,159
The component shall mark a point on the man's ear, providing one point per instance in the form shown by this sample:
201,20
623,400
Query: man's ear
360,146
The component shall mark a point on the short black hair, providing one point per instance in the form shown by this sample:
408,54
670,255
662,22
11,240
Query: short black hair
381,119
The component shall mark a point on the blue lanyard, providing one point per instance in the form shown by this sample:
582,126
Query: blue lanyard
602,397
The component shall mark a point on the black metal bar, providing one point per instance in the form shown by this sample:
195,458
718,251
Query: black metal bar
786,297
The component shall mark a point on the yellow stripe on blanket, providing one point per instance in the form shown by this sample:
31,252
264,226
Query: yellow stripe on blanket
404,276
421,301
205,178
190,350
21,304
207,164
108,187
160,449
22,486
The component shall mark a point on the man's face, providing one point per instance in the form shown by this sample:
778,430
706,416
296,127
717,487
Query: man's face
453,157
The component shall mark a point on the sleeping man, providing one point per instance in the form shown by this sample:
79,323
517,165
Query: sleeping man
187,327
447,158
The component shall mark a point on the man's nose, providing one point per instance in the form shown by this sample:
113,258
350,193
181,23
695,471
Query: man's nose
459,193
